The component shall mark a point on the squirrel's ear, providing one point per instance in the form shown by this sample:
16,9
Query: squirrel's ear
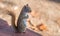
26,4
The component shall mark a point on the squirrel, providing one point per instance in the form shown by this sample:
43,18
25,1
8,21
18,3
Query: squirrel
22,19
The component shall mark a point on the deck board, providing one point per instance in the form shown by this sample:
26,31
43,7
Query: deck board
6,30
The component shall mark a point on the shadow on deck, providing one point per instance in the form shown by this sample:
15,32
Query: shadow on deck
6,30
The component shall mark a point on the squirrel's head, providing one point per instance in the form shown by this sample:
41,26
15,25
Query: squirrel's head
26,9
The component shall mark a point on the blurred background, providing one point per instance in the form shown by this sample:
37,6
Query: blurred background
44,18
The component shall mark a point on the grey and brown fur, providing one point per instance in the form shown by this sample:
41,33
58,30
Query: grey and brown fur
21,23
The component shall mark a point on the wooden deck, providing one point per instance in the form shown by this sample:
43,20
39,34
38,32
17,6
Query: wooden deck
6,30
